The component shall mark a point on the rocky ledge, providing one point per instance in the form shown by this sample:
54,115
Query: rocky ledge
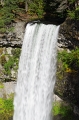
68,35
13,38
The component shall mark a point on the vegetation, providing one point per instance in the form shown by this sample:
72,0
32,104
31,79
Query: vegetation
36,7
6,108
11,9
9,60
70,60
12,62
63,110
73,11
8,11
2,59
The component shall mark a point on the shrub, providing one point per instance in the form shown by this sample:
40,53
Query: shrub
8,65
8,12
36,7
73,11
13,61
70,61
62,109
71,14
6,109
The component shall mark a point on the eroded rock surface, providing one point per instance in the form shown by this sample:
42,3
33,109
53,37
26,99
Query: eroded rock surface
13,38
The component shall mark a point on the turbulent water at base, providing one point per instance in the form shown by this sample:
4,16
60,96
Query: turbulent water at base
36,74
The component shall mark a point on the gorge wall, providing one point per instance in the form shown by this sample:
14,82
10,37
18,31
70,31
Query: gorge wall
10,47
11,43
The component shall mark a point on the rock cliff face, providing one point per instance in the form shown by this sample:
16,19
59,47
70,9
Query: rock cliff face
13,38
55,8
68,87
69,34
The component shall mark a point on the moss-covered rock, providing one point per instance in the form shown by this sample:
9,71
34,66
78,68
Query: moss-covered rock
9,60
67,83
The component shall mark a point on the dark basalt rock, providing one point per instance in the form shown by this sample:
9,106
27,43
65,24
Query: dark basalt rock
69,34
68,89
55,9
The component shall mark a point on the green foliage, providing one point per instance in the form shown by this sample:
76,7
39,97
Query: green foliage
61,109
74,14
8,65
73,11
6,109
8,105
36,7
71,14
2,30
70,61
11,29
8,12
77,13
12,62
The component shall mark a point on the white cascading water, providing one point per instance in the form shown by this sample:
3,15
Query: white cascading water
37,73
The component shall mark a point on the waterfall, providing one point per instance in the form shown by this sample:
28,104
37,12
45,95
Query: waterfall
36,74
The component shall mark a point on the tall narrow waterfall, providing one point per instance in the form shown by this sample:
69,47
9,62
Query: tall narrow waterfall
36,74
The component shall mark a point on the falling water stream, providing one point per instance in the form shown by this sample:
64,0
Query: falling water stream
37,73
